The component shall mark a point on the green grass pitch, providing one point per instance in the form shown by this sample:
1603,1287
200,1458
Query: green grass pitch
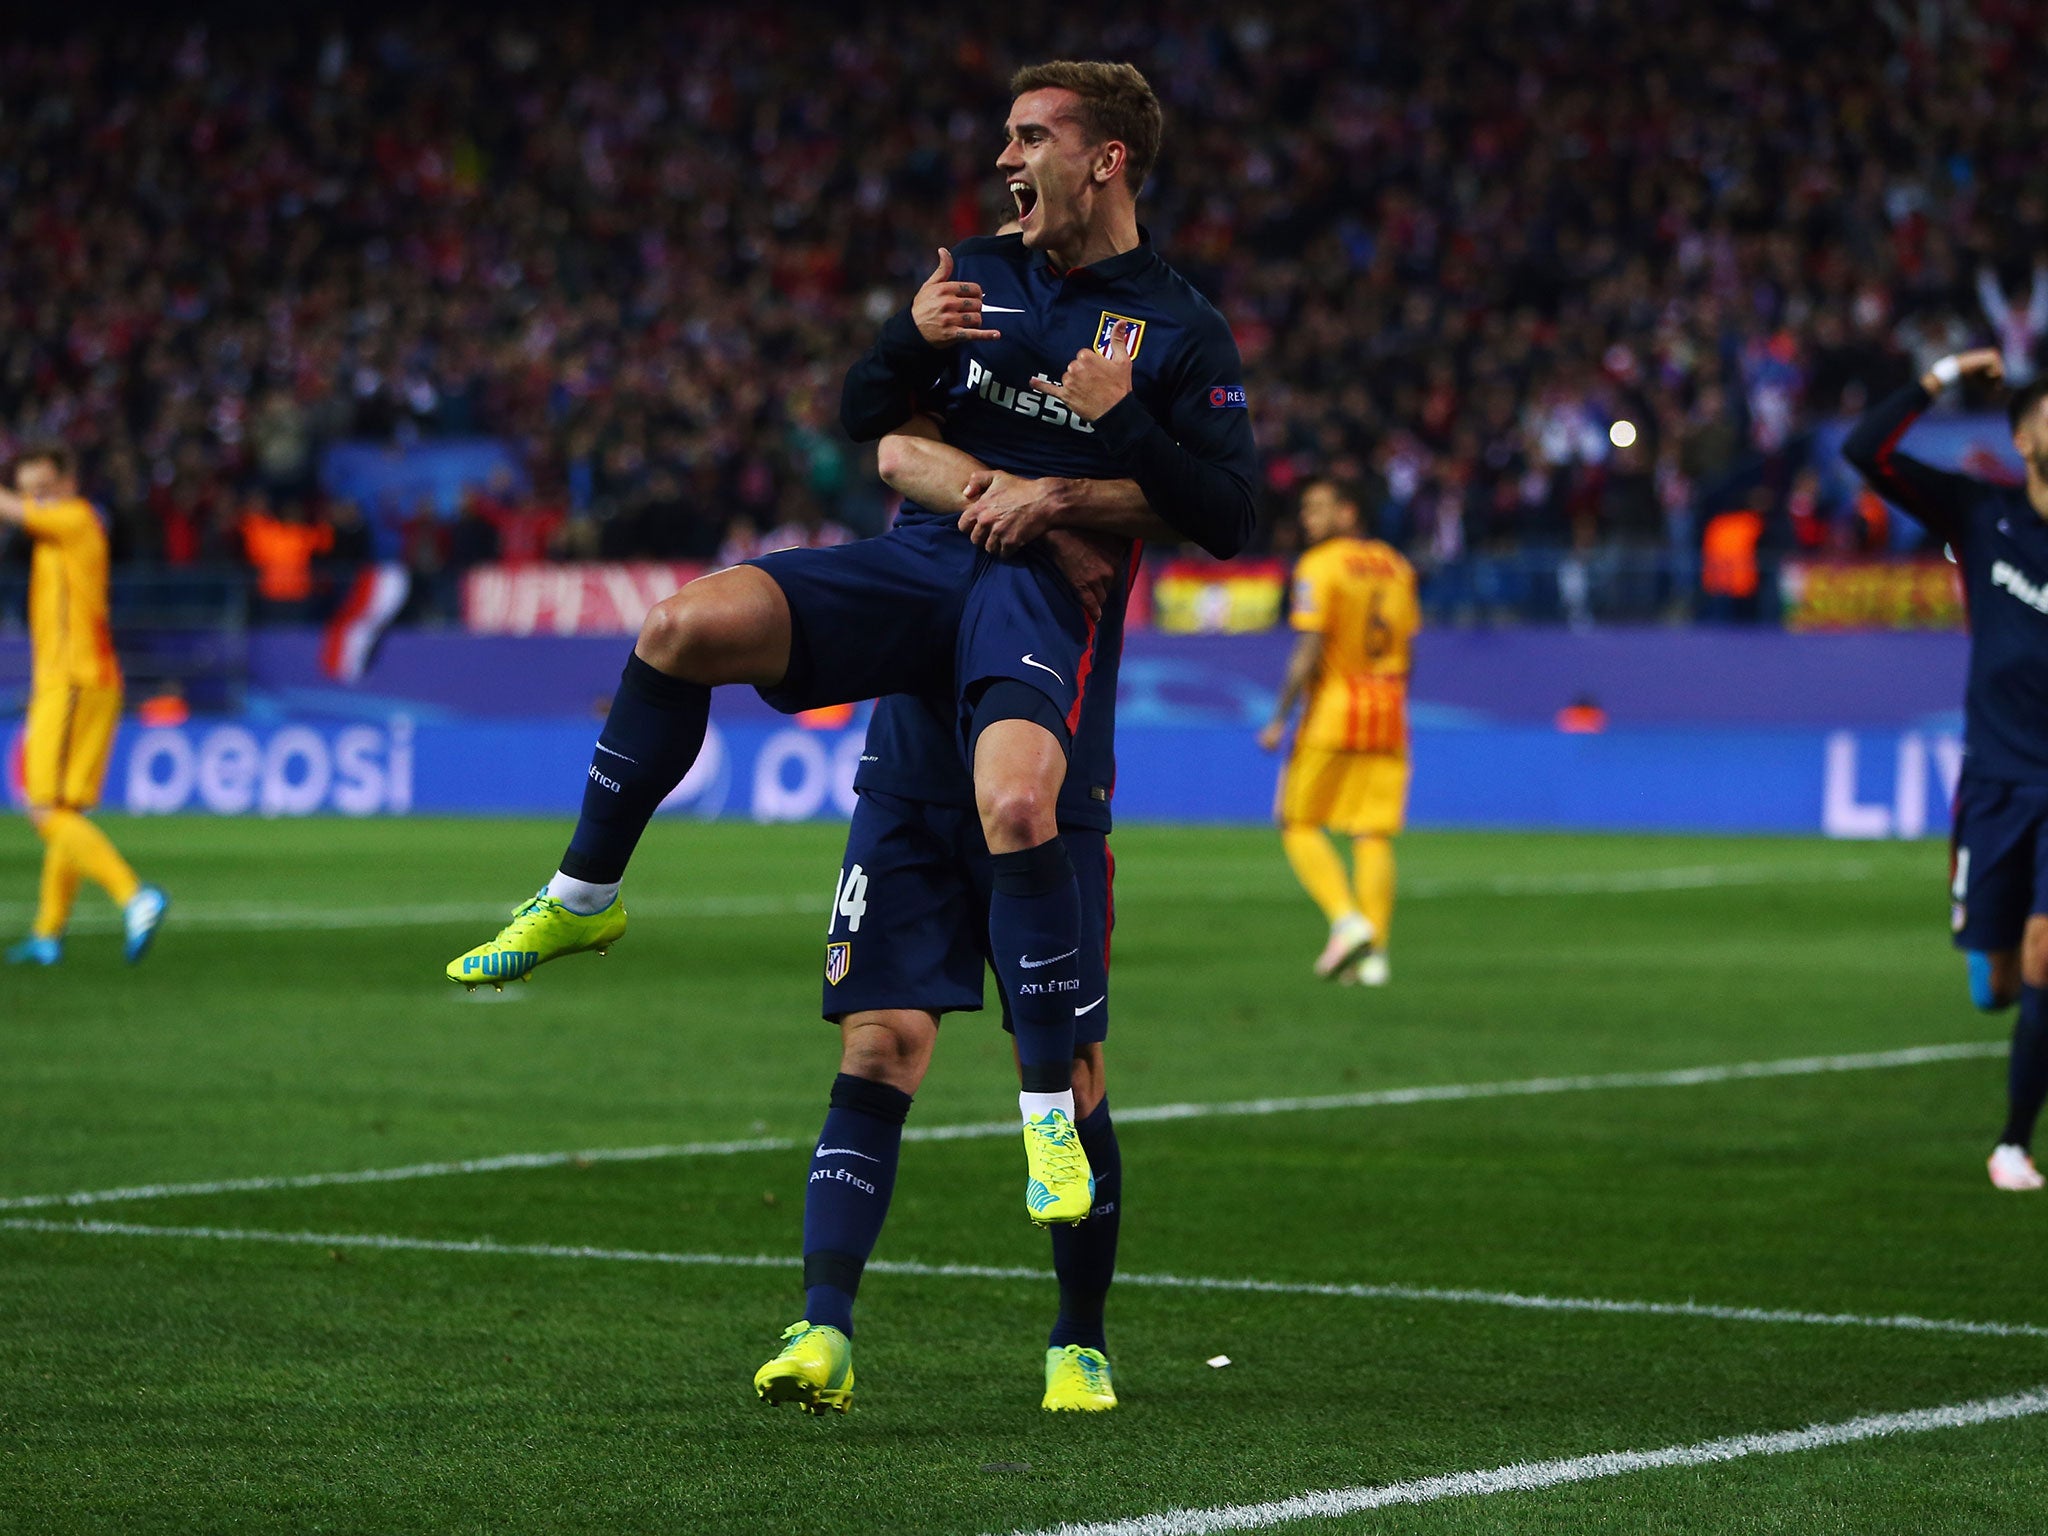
293,1021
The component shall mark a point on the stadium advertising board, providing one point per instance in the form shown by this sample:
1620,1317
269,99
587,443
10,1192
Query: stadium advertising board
1852,784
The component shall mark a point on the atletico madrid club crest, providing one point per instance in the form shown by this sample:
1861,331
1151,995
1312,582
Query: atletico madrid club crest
1115,331
837,958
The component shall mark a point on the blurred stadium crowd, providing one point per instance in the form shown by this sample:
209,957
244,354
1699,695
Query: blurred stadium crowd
1459,240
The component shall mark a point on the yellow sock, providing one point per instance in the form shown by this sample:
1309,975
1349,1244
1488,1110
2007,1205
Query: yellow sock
1372,873
94,854
1318,868
59,889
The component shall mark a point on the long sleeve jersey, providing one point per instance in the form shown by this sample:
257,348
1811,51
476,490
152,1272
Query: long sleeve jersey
2001,544
1183,433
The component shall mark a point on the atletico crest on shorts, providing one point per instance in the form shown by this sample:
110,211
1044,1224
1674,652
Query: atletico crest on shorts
837,958
1113,328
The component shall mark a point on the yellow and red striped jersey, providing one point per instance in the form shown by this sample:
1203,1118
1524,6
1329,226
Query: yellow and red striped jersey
68,630
1359,595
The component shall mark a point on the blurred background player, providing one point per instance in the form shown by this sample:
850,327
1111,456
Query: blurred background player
1999,860
74,707
1356,607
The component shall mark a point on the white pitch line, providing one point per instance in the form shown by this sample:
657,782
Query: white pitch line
243,917
1528,1476
1683,1077
247,917
501,1164
1515,1300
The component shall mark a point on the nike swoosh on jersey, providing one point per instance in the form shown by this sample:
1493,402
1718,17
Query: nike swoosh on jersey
846,1152
1030,661
1092,1006
1002,309
619,755
1030,964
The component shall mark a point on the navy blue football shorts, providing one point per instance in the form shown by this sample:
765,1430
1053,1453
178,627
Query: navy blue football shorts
910,913
921,610
1998,862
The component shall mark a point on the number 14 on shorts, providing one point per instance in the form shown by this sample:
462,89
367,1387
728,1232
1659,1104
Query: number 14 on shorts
849,900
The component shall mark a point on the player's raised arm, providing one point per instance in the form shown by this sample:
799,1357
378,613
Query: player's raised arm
62,517
1196,470
1934,497
882,386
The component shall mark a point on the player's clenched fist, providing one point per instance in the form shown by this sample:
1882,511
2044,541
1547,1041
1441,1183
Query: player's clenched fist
947,312
1094,383
1982,363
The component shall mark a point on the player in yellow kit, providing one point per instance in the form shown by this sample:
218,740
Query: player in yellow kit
74,706
1356,608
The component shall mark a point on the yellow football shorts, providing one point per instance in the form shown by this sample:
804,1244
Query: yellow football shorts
1358,794
69,738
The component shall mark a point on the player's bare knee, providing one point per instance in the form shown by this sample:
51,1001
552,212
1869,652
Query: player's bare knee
668,633
1018,814
1019,766
729,627
892,1047
2033,965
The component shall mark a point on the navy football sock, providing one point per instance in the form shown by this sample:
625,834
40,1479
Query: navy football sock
853,1172
2027,1076
1084,1255
649,740
1034,932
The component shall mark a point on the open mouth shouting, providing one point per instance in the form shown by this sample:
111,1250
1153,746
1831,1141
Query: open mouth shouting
1026,197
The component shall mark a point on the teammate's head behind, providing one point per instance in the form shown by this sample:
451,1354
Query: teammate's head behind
2027,410
1329,510
44,471
1082,139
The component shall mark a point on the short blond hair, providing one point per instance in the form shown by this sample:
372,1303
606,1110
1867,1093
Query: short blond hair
1116,103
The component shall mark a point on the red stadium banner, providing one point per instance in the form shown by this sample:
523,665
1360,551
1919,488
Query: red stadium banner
1871,594
568,599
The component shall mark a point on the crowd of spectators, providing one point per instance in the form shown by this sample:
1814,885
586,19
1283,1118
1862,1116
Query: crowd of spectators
1458,240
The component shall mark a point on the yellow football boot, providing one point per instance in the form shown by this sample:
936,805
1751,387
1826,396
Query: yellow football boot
541,930
1061,1188
814,1370
1077,1381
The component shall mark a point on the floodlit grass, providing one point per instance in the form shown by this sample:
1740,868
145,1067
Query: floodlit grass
293,1021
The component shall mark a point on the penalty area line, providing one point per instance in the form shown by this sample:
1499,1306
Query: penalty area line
1517,1300
1383,1098
1529,1476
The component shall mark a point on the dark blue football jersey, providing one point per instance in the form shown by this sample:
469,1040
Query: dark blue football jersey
1184,435
2001,544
